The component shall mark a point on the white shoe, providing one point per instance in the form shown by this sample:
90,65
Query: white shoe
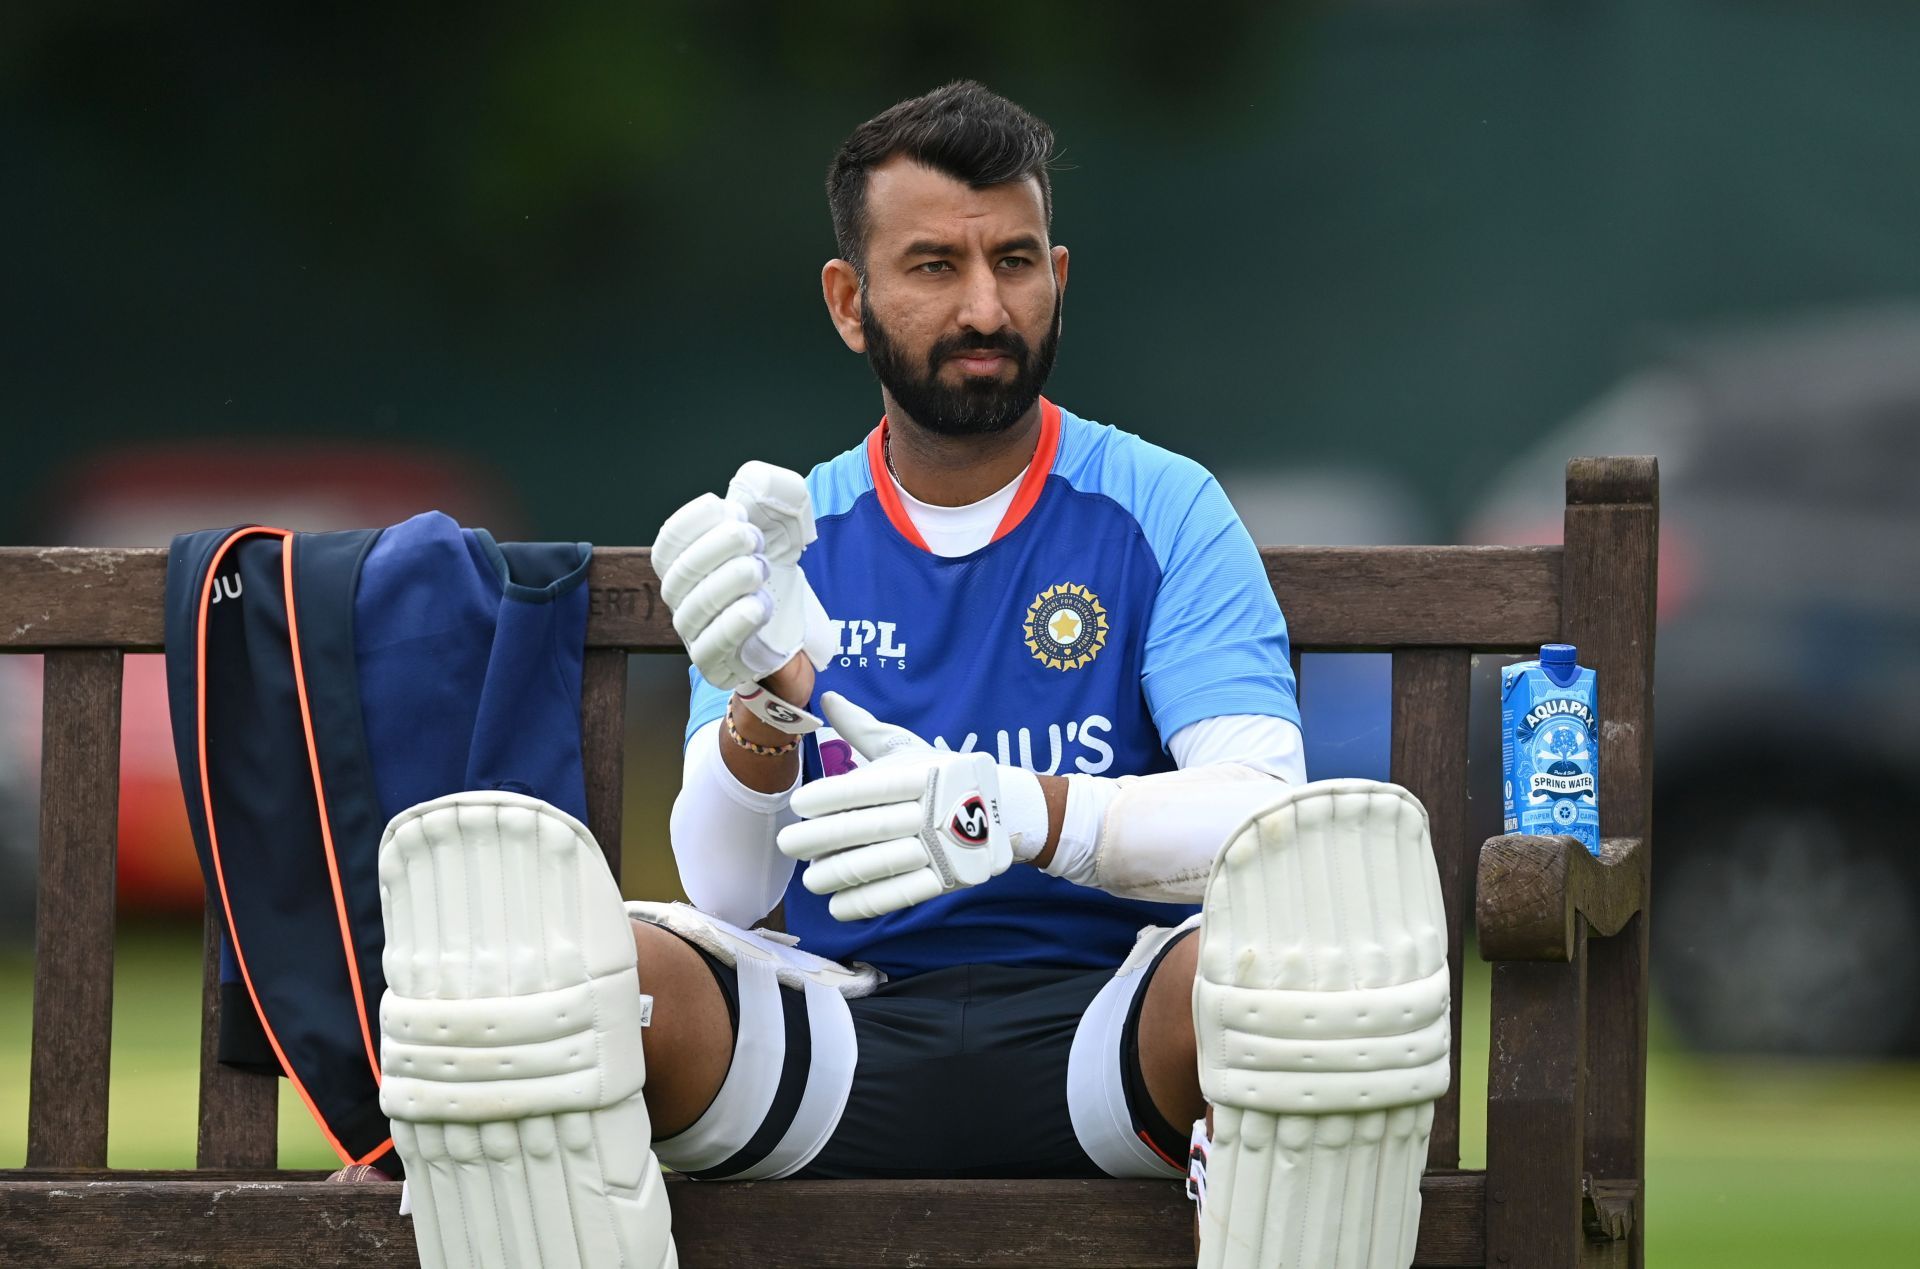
1321,1010
510,1042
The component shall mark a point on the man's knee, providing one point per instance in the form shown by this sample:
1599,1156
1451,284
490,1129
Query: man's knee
768,1100
1174,973
1168,1059
671,968
689,1037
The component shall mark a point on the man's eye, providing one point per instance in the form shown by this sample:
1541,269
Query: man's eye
1015,262
932,266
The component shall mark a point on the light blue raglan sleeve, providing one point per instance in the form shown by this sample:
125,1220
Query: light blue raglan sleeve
707,705
1216,642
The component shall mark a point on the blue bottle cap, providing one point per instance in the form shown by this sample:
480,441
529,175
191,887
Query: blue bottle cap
1559,662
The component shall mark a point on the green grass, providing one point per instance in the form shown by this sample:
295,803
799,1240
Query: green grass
1751,1164
154,1098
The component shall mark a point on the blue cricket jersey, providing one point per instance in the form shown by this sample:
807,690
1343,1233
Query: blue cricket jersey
1120,600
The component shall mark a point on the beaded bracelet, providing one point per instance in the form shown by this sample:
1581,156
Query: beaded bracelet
771,751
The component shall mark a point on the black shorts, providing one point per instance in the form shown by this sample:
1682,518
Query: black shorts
970,1071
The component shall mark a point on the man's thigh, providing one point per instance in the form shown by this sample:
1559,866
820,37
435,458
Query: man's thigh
963,1073
971,1071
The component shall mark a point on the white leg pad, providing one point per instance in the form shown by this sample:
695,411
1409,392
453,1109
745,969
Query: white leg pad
510,1042
1321,1011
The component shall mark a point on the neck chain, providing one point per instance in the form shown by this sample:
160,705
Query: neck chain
886,456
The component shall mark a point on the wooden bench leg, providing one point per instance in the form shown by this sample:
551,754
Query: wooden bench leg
1563,1187
1616,1138
1536,1112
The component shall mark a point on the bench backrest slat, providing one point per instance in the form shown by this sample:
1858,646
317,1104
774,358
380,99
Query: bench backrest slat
1431,690
73,933
1353,598
603,736
1337,598
239,1110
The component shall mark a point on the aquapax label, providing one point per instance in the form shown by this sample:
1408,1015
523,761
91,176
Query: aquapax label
1550,741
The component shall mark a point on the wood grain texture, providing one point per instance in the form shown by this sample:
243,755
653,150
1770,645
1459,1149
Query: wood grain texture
1533,891
1536,1107
1351,598
1343,598
768,1225
239,1110
81,597
603,742
1628,480
73,914
1335,598
1431,689
1608,587
1607,602
1609,1211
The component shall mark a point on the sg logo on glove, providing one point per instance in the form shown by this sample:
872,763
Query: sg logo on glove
914,822
970,822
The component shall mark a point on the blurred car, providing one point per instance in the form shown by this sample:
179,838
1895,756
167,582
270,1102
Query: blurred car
1787,760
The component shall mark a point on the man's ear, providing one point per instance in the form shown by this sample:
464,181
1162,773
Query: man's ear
840,287
1059,254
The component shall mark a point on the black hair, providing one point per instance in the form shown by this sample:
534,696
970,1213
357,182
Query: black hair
962,129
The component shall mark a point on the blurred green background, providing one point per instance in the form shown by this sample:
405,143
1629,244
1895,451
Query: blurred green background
562,264
598,229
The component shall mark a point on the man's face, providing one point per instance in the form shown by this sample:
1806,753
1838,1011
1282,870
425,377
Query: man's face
961,308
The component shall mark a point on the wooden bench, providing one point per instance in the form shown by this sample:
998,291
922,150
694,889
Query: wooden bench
1566,933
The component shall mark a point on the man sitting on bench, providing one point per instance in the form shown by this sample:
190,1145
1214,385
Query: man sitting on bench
1027,704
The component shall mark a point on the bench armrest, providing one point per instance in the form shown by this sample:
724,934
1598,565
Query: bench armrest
1531,890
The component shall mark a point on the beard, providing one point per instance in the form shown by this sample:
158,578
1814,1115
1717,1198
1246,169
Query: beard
978,405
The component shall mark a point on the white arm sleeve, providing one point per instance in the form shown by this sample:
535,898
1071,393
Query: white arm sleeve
1260,741
723,836
1154,837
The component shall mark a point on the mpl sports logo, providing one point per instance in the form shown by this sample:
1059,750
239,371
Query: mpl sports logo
860,644
970,822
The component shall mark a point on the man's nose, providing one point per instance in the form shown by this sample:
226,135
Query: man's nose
981,306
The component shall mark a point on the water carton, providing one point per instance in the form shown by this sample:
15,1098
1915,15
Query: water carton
1550,747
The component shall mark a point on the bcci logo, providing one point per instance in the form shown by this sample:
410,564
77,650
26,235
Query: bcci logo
1066,626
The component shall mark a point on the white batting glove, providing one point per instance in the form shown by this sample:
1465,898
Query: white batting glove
730,573
914,822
